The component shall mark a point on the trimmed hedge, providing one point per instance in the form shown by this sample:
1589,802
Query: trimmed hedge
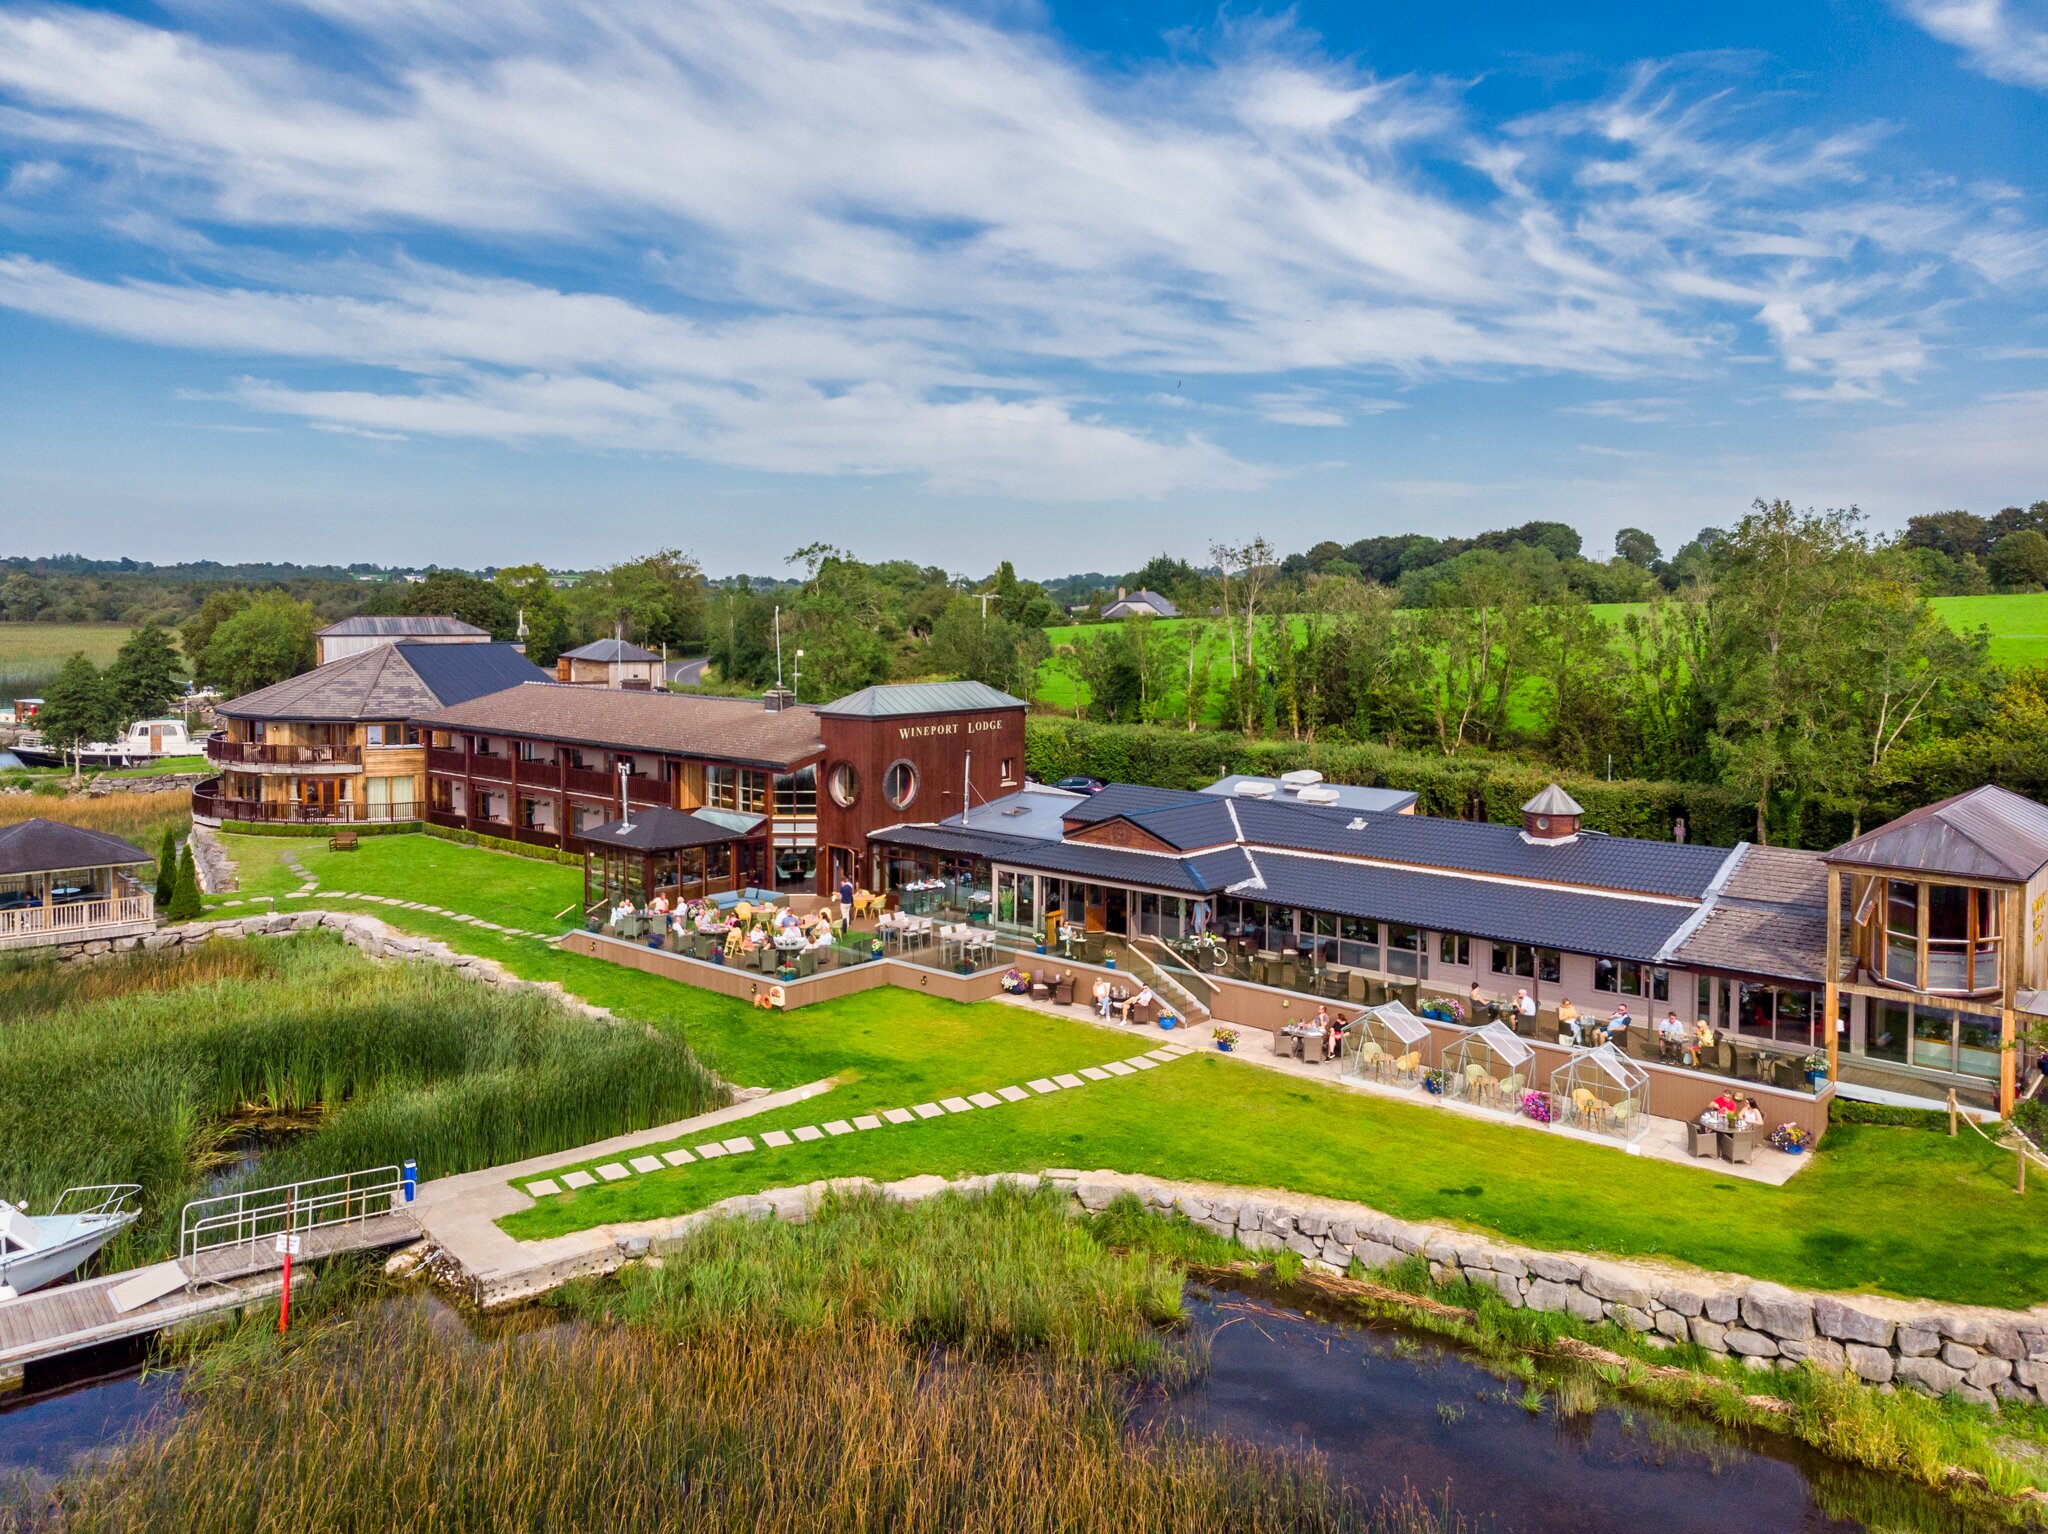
1842,1111
1471,786
319,828
504,844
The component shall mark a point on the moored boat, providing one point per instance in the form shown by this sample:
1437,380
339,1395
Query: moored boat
39,1250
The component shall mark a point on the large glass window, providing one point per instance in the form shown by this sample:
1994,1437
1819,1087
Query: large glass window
1514,959
796,793
1901,931
1618,979
722,787
1407,955
1358,943
1886,1027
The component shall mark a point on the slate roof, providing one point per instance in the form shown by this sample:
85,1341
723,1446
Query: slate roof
1137,599
394,681
50,846
721,729
1987,833
895,698
609,650
660,829
1185,820
401,626
1768,917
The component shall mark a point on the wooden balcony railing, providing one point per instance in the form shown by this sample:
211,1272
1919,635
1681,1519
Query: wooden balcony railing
209,804
444,759
490,766
646,790
223,752
77,915
588,780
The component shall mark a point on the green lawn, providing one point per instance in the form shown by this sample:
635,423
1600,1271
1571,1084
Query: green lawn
31,653
1898,1210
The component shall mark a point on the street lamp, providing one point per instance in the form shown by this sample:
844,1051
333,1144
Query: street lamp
796,669
625,800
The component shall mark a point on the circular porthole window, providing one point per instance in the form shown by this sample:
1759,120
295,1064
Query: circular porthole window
899,785
843,784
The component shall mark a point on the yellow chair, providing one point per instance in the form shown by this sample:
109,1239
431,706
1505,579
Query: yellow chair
743,913
1371,1058
1511,1085
1584,1104
1476,1081
1409,1063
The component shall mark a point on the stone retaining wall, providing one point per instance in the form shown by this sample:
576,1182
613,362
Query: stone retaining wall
1982,1355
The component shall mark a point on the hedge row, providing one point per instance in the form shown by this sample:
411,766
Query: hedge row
1844,1111
309,828
505,844
1473,786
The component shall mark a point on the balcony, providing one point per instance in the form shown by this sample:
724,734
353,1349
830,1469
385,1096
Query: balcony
444,759
590,780
116,915
646,790
258,755
211,807
490,764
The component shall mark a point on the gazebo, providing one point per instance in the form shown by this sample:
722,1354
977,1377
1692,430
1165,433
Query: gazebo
1387,1043
1601,1089
683,854
61,884
1489,1065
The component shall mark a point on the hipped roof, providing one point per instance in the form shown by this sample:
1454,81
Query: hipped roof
50,846
1987,833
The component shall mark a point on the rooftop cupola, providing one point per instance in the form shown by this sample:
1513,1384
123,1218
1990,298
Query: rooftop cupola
1551,818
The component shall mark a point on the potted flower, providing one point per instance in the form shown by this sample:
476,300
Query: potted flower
1791,1139
1226,1039
1536,1107
1434,1081
1816,1067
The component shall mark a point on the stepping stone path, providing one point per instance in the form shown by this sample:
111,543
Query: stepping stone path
778,1139
311,886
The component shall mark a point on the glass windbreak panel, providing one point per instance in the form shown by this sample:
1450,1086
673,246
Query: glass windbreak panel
1795,1016
1358,943
1934,1038
1886,1027
1901,931
1976,1044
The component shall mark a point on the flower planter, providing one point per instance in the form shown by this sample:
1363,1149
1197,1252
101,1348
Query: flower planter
1167,1020
1225,1045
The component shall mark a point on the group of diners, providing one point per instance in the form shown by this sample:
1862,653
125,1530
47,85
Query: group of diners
1730,1111
745,927
1677,1040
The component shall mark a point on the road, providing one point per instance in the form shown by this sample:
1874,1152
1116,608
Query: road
687,673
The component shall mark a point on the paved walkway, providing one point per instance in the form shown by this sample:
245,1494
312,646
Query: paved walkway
1661,1139
776,1139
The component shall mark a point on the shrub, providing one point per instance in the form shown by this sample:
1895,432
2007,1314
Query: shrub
167,869
185,904
1842,1111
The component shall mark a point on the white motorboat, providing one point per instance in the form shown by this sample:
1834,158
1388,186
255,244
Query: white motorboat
145,741
40,1250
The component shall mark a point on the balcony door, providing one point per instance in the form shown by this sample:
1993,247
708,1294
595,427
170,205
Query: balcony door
320,798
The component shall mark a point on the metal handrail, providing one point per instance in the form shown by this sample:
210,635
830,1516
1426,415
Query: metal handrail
258,1214
114,1197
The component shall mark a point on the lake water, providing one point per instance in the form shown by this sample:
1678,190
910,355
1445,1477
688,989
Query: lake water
1391,1414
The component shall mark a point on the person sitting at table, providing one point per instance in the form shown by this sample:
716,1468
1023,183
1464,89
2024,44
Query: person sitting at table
1333,1040
1525,1008
1130,1004
1322,1018
1724,1105
1752,1114
757,938
1016,982
1616,1031
658,907
1101,995
1476,1000
622,910
1671,1035
1568,1020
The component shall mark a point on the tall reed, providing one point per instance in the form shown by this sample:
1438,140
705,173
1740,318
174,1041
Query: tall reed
140,818
401,1424
133,1070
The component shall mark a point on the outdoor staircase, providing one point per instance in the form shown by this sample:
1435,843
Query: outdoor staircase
1166,980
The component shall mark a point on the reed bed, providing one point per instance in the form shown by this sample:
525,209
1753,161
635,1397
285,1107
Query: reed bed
404,1423
140,818
985,1276
140,1069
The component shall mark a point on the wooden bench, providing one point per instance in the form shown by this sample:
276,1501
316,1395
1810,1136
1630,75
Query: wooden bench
342,841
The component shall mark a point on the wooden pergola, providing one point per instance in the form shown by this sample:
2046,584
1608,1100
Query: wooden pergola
677,853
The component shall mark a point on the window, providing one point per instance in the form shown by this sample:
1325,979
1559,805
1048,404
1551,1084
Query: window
1406,954
1453,949
796,793
1009,769
533,751
754,793
721,787
899,785
1549,965
1618,979
1514,959
373,734
843,783
1358,943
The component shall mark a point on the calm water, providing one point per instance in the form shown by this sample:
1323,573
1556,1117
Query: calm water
1391,1415
1394,1414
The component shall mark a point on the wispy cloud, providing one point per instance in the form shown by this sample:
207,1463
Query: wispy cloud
2005,39
884,237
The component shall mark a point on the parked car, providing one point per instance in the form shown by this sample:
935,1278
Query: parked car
1081,784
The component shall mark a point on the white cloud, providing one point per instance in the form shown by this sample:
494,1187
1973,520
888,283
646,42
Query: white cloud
29,177
2005,39
886,237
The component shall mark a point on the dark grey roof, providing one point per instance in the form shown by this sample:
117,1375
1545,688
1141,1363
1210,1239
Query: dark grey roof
50,846
609,650
1185,820
401,626
660,829
394,681
1987,833
682,724
1151,599
1074,859
1350,796
895,698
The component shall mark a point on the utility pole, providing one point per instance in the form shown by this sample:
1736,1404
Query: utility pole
795,675
778,648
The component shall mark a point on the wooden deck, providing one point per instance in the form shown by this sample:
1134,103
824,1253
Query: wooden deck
52,1322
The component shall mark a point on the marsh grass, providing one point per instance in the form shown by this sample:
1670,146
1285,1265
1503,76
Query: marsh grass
135,1069
139,818
1003,1273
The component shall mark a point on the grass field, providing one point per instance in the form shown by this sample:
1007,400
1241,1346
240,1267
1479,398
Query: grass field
1883,1208
31,653
2018,624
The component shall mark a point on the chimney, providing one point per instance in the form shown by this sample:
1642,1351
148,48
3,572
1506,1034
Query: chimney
1551,818
776,699
1119,593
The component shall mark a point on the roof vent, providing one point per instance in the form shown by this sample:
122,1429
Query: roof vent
1357,823
1302,777
1551,818
1256,788
1317,794
776,699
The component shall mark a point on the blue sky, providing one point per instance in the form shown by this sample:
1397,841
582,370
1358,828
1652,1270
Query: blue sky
1070,283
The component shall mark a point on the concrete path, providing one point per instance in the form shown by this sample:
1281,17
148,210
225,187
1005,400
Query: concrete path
1661,1139
460,1214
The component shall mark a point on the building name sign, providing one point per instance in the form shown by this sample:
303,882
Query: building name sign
973,727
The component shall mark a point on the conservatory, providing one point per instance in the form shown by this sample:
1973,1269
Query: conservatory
1387,1043
1488,1066
1601,1090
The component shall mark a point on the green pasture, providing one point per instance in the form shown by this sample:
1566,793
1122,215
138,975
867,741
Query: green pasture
32,653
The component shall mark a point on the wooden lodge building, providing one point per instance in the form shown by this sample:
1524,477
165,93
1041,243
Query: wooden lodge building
1908,959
